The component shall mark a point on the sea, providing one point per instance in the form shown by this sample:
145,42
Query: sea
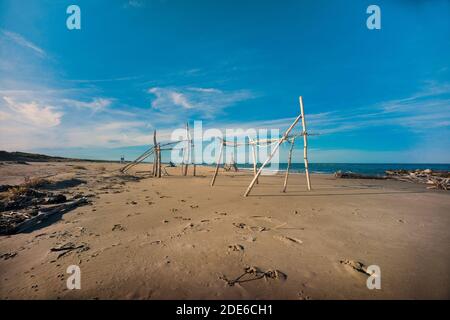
362,168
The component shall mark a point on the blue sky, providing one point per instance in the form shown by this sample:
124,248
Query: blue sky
373,95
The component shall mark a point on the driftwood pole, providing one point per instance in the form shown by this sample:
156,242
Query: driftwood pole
194,165
255,166
155,160
188,151
182,162
159,161
219,158
288,165
305,143
271,155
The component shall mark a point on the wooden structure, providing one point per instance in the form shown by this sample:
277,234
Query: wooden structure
156,151
255,143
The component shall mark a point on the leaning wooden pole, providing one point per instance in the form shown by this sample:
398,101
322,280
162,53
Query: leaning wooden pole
155,159
305,143
219,159
255,166
288,165
284,137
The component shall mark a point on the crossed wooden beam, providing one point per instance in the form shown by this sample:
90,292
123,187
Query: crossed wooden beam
285,137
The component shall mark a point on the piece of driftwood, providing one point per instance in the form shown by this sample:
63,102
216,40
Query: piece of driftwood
288,165
155,160
138,160
281,140
69,247
305,143
159,161
353,175
218,162
47,212
188,151
194,165
434,179
255,161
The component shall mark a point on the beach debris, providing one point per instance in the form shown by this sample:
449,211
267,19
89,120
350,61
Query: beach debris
351,175
252,273
118,227
236,247
19,198
434,179
242,225
16,222
288,240
356,265
5,187
8,255
182,218
69,247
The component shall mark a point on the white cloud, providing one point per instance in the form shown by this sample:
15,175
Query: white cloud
206,102
180,99
21,41
96,104
135,3
33,113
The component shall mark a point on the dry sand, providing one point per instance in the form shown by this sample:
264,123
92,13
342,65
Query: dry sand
177,237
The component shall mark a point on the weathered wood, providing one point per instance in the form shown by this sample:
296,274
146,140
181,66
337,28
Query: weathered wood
271,155
219,157
155,156
138,160
255,165
305,143
159,161
188,151
44,214
194,165
288,165
352,175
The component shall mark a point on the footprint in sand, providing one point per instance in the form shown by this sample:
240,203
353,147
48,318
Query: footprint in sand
303,296
182,218
288,240
235,247
249,238
251,228
195,227
118,227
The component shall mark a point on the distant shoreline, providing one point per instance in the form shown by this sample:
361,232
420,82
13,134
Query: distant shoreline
296,168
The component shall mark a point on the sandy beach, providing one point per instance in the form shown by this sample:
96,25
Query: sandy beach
178,238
